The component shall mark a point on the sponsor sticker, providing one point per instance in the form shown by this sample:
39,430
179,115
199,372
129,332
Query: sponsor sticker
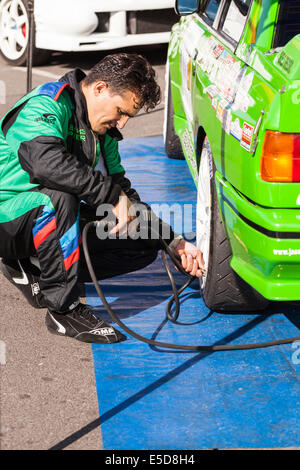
223,56
227,120
287,252
243,100
189,149
212,90
210,161
235,129
217,51
220,109
247,134
229,60
284,61
214,103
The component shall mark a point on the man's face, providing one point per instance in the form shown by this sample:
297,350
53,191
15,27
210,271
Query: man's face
106,109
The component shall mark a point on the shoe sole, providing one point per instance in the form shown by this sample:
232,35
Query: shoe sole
91,341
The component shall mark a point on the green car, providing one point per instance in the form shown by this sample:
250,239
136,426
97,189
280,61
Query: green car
232,111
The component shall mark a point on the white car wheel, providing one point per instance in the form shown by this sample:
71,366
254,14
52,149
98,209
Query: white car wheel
203,219
14,32
13,29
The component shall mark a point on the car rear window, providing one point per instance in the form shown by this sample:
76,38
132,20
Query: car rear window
288,24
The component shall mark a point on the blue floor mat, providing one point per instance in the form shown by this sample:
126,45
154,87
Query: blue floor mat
150,398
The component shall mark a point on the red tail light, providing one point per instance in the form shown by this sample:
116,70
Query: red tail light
280,160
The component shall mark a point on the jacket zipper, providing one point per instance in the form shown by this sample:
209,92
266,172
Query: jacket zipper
102,153
95,149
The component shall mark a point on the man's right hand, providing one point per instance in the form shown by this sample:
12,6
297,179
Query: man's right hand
121,211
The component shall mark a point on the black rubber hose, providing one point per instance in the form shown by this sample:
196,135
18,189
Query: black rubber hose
176,293
116,319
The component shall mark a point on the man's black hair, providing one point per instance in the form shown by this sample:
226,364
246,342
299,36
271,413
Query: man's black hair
127,72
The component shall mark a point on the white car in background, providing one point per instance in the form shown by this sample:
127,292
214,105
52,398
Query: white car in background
82,25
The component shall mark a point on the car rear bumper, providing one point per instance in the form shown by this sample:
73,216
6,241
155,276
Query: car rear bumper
97,42
265,243
102,29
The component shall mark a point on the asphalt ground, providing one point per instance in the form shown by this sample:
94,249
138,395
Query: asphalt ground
48,397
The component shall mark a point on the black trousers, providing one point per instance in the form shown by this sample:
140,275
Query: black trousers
52,232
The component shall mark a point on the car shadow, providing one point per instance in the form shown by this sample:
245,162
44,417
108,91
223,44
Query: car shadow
131,294
156,55
151,286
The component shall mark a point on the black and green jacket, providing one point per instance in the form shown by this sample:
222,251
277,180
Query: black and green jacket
46,140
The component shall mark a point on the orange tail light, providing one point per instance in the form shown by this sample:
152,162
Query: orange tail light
280,160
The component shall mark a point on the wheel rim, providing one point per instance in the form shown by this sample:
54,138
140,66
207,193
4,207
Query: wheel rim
13,29
204,205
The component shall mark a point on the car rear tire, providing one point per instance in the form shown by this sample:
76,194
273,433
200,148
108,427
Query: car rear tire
14,31
222,289
173,146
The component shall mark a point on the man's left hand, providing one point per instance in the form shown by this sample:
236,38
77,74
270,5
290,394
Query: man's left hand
191,258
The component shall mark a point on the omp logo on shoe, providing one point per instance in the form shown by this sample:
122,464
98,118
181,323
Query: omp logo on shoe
103,331
47,117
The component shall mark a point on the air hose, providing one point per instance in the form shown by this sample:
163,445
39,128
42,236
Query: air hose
174,299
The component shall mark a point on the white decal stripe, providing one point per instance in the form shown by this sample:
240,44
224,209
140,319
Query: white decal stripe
61,328
21,280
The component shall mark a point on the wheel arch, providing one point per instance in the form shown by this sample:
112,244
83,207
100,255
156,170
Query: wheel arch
200,137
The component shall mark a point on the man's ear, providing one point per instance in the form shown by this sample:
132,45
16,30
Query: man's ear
99,87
